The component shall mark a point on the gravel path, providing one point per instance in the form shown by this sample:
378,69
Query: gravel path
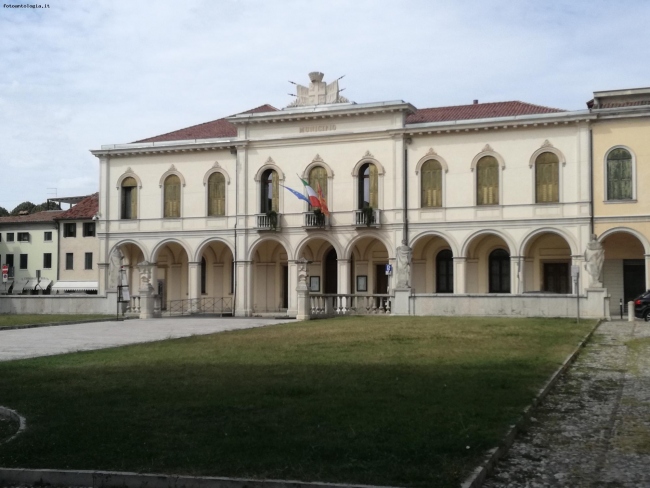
593,429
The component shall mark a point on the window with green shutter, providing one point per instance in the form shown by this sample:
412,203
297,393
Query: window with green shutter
431,183
547,177
619,175
216,195
172,190
487,181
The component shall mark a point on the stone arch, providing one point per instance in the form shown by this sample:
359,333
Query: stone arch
512,248
642,238
317,235
317,161
368,159
531,236
128,174
433,233
163,243
206,244
280,239
488,151
216,169
429,157
547,149
347,251
138,244
269,164
171,171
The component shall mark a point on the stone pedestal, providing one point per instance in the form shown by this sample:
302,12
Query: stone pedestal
598,302
147,292
303,308
401,304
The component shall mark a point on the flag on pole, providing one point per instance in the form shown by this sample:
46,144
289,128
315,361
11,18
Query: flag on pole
313,197
297,193
321,199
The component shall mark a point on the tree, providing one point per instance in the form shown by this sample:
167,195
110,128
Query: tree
25,206
44,206
4,212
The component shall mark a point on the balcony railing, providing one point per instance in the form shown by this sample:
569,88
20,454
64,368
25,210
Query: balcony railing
327,305
267,222
361,218
315,221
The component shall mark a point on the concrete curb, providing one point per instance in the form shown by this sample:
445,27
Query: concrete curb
54,324
476,479
113,479
12,414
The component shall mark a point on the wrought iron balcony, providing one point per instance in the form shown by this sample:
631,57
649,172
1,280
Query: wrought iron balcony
362,216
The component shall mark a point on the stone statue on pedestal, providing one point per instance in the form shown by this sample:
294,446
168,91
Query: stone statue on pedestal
403,270
594,259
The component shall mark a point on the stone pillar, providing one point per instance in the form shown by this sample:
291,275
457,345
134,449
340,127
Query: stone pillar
516,273
460,275
103,275
647,271
343,276
244,301
292,301
146,290
194,285
303,306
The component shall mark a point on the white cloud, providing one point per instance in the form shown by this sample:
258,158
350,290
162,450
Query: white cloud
82,74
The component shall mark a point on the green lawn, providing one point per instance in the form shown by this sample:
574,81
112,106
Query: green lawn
10,320
388,401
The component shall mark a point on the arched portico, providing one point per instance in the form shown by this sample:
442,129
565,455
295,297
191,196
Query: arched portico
490,266
432,265
215,269
626,272
172,262
368,259
269,286
323,265
132,254
547,260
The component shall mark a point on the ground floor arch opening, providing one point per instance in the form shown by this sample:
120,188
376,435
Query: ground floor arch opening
270,278
368,260
547,264
625,273
489,267
432,265
172,268
323,268
216,270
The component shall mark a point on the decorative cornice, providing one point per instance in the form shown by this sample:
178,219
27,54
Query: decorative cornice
368,155
546,143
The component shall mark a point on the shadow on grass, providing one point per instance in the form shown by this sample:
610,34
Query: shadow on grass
365,424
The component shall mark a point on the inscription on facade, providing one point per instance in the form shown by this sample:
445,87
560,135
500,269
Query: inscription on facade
317,128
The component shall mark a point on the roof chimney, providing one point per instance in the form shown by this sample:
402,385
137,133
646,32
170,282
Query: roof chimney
475,102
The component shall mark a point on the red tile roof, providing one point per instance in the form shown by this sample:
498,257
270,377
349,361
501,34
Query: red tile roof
477,111
85,209
35,218
208,130
223,128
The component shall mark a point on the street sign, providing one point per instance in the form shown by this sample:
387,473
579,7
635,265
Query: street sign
5,277
389,269
5,273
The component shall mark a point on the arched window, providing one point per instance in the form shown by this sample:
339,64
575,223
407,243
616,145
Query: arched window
216,195
368,186
318,179
499,271
129,198
487,181
619,175
172,190
547,176
431,184
444,272
270,192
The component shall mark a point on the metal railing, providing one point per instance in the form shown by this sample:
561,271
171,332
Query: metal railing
327,305
195,306
361,218
313,221
265,222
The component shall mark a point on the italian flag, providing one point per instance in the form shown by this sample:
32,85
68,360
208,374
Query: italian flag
314,201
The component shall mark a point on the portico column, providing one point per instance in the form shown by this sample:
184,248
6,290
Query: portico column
194,284
103,276
647,271
343,276
292,299
515,275
244,301
460,275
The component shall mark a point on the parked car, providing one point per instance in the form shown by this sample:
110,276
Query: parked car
642,306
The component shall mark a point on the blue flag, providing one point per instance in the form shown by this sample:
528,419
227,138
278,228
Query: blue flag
297,193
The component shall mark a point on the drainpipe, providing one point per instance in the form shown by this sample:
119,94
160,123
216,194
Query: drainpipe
591,181
233,150
407,141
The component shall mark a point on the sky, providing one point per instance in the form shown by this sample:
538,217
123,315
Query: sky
83,73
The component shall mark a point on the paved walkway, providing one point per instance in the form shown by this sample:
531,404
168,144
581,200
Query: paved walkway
593,430
46,341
